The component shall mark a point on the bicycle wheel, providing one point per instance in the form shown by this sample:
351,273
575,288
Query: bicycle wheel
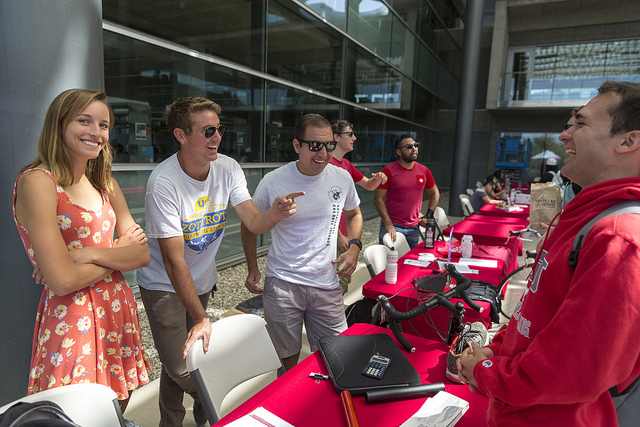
515,283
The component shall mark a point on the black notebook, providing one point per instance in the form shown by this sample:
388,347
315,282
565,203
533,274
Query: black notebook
346,356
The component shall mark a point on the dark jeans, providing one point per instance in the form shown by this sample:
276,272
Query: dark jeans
411,233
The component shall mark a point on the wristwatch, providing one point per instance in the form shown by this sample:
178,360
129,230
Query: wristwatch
355,242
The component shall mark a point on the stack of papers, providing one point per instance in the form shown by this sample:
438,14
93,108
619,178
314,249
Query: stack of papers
442,410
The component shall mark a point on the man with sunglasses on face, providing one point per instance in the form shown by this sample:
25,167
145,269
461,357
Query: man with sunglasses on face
345,137
399,200
186,203
301,282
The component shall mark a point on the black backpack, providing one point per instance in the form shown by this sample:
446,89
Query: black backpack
36,414
627,403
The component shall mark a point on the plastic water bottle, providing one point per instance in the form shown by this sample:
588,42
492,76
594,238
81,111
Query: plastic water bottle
391,272
429,233
467,246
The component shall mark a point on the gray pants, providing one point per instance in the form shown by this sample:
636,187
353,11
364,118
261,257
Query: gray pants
170,324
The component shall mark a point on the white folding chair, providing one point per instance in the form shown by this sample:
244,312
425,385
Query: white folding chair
375,258
443,222
239,349
400,244
91,405
467,209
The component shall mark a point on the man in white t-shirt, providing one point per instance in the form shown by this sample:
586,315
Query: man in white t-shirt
301,284
186,204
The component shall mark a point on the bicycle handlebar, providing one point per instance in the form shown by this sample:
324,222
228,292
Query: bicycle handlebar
519,233
462,284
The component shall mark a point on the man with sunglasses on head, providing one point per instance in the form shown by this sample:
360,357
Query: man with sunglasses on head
187,199
345,137
301,284
399,200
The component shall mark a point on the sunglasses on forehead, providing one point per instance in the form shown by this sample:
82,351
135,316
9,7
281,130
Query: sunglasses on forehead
209,131
317,145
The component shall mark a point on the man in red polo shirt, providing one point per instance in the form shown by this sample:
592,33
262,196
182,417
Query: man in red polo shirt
399,200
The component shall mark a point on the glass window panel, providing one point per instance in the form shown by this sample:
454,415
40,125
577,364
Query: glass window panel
133,185
318,65
233,30
141,80
375,81
427,67
372,143
286,105
334,11
575,71
402,47
370,24
407,90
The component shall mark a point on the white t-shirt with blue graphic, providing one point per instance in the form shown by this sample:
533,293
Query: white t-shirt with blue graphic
178,205
303,246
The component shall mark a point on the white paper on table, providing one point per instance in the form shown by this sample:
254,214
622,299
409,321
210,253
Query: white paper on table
426,256
260,417
489,263
417,262
442,410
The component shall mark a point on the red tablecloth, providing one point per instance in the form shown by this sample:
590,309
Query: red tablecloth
520,222
490,230
405,296
518,211
303,402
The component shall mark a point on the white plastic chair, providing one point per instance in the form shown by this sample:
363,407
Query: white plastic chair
467,209
240,349
400,244
442,220
375,258
91,405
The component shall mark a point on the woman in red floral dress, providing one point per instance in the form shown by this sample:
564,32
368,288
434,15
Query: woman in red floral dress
67,207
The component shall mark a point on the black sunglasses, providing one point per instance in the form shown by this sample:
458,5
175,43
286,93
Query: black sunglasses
209,131
317,145
346,133
410,146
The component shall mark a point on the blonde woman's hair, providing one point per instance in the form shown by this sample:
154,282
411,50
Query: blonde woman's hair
53,152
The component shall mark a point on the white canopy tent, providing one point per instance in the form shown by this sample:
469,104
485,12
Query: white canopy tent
546,154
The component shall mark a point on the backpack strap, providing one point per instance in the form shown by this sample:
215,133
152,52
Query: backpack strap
626,403
629,206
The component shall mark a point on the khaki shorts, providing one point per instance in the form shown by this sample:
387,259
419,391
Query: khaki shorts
287,305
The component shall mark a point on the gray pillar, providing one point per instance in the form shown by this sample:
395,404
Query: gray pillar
46,46
466,103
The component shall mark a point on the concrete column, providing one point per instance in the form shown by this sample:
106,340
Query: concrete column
466,103
46,46
499,51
